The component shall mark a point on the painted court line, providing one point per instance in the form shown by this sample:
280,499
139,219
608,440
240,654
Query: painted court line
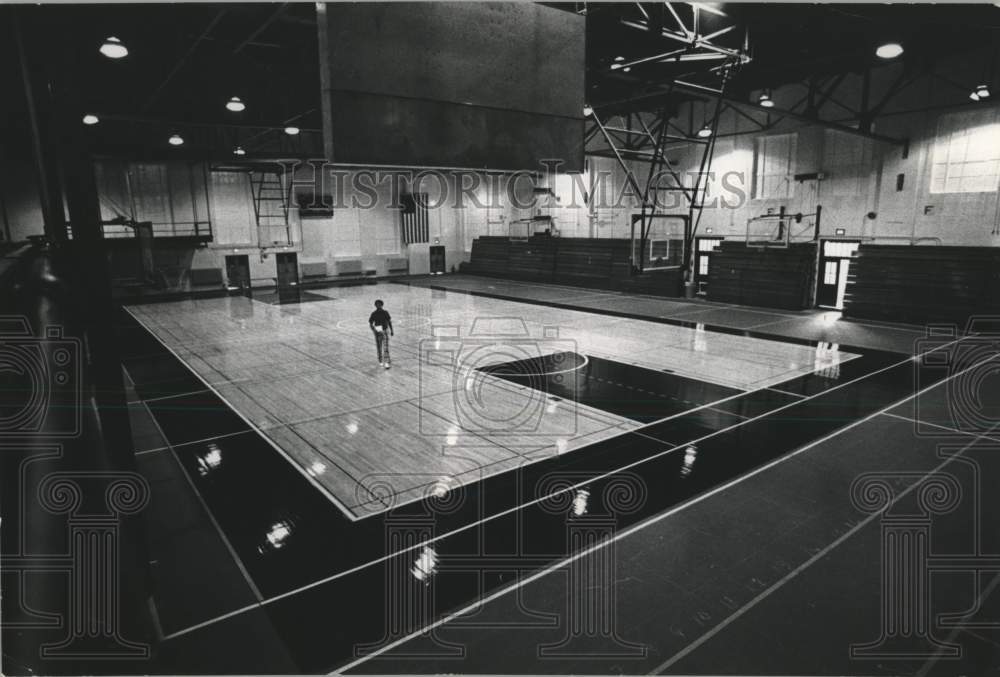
675,317
642,525
805,565
629,466
956,431
958,629
786,392
211,517
167,397
333,499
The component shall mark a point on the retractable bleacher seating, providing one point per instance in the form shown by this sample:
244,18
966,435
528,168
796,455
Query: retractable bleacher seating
596,263
923,284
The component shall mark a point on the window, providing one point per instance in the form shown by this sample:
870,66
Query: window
774,165
150,186
830,273
174,197
707,244
966,155
346,236
842,250
387,237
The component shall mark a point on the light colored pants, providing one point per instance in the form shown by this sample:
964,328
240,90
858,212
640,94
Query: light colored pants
382,346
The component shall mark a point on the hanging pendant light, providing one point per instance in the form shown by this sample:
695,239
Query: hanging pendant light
113,48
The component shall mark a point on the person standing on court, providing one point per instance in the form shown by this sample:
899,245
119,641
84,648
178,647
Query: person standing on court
381,323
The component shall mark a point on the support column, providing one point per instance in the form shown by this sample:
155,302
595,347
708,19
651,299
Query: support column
40,113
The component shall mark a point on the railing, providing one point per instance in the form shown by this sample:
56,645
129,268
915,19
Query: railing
912,240
113,231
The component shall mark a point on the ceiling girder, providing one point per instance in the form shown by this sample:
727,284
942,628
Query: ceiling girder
701,89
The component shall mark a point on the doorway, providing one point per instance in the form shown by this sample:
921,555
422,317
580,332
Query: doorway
287,269
437,260
238,271
703,258
834,265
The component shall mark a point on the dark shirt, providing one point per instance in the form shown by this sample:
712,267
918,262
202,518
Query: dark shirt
380,318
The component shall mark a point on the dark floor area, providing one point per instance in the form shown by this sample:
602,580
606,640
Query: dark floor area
739,538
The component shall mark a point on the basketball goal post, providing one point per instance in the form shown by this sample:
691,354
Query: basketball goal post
659,242
520,230
783,228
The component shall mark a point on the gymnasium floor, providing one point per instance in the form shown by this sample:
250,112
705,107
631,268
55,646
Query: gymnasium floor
696,460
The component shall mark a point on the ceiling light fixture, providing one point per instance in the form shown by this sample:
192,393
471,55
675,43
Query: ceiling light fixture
705,131
236,105
113,48
291,131
765,99
626,69
90,119
615,66
982,91
619,58
239,151
889,50
175,140
587,111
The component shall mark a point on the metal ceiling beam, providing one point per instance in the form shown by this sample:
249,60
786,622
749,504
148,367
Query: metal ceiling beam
636,132
661,134
899,85
263,27
618,156
760,125
151,99
688,39
701,89
828,92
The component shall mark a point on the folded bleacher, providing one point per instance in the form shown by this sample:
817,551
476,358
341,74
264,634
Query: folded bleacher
922,284
598,263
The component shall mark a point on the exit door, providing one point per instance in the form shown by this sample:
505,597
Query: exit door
288,269
238,271
437,260
833,268
704,247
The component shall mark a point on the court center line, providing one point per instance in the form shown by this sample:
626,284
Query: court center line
262,430
642,525
672,448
